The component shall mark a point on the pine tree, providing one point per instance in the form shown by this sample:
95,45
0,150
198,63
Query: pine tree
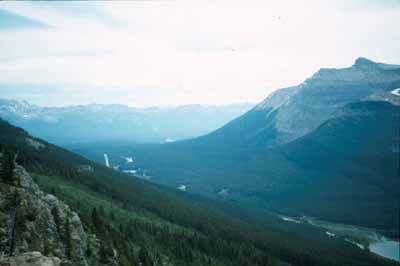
88,251
57,219
67,237
95,217
17,221
111,215
103,254
144,257
7,167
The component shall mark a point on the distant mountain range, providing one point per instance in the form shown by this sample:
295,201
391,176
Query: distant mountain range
328,147
118,122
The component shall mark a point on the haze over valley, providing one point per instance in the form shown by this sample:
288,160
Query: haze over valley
90,123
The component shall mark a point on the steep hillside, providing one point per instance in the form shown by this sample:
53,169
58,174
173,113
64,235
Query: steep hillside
346,170
292,112
35,226
151,225
349,163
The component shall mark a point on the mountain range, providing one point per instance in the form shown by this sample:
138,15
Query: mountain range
58,208
327,148
97,122
293,112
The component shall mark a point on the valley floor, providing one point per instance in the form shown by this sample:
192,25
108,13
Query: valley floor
364,238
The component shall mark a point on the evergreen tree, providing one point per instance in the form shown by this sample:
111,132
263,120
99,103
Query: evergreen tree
57,219
88,251
103,253
144,257
111,214
7,167
95,218
67,237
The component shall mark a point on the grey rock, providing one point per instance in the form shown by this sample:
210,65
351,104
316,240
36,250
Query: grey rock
36,223
301,109
30,259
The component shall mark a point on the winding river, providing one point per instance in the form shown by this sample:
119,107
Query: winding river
386,248
377,243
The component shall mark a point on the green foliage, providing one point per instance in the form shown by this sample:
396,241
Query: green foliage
67,237
344,171
147,223
144,257
7,166
88,251
57,220
103,254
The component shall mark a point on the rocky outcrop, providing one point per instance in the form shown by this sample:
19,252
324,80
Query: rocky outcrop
30,259
38,229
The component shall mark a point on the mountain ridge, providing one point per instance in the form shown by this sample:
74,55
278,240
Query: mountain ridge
301,109
101,122
248,156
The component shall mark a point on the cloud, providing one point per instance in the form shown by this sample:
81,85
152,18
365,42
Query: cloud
161,53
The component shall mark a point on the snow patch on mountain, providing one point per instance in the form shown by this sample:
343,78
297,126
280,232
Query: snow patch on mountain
128,159
396,92
182,187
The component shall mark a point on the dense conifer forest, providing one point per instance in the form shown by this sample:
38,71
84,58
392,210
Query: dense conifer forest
147,224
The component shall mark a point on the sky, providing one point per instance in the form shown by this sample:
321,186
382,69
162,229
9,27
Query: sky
168,53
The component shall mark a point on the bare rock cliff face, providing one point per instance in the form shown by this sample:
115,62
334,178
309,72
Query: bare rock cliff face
38,229
30,259
301,109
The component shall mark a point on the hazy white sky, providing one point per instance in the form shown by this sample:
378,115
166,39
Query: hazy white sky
182,52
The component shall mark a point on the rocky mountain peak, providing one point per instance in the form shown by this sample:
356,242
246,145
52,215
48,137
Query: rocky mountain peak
362,61
301,109
362,71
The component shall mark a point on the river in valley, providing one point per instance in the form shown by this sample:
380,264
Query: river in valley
386,248
359,236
